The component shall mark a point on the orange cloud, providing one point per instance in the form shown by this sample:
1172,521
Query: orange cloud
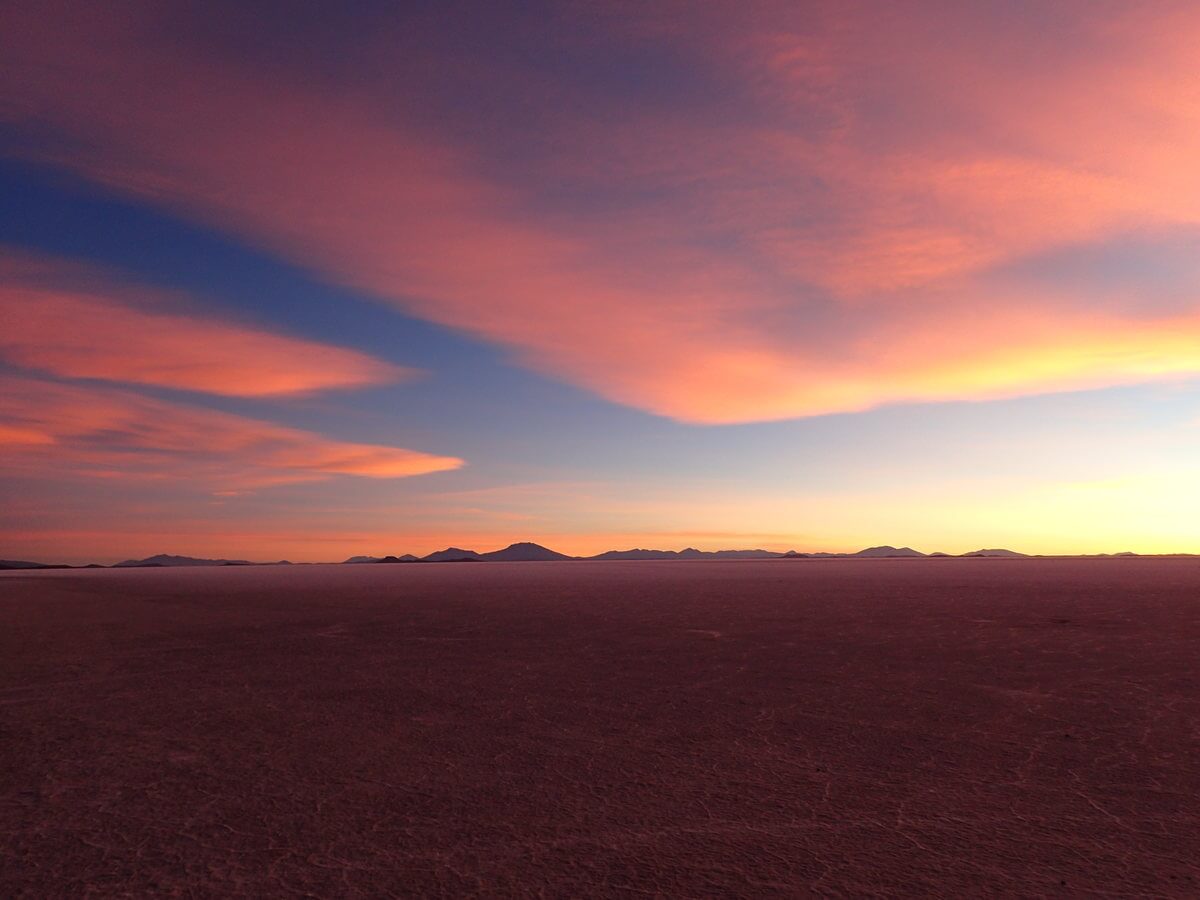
47,427
77,323
828,248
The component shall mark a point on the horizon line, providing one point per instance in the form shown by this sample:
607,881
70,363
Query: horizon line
880,551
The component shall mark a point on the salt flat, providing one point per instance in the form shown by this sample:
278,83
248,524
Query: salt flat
743,728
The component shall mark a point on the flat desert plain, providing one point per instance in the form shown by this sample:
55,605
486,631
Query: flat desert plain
943,726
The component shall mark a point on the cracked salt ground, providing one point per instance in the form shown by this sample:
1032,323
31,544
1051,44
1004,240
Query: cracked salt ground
931,727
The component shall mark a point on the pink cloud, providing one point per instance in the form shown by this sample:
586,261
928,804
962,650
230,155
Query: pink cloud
79,323
895,158
46,427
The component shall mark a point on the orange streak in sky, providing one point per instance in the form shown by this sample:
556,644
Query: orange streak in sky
48,428
73,322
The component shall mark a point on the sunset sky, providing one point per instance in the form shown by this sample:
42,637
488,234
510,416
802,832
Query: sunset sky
308,280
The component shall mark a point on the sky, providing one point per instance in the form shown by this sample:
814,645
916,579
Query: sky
308,281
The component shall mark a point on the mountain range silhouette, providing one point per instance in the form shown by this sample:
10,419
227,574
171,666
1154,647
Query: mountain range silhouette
526,551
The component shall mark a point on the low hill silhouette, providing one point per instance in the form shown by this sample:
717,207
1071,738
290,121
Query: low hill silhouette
165,560
525,551
648,554
883,552
689,553
25,564
888,552
450,554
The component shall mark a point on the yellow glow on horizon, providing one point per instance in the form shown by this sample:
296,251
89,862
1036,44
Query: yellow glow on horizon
1151,513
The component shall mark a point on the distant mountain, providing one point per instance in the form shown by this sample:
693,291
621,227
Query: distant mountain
24,564
164,560
691,553
524,552
639,553
884,552
15,564
887,552
451,554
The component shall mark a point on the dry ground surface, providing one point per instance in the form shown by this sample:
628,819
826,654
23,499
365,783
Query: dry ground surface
739,728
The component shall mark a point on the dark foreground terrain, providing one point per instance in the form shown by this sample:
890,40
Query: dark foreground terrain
776,727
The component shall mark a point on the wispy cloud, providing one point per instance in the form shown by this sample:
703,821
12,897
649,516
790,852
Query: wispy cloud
826,246
75,322
51,428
